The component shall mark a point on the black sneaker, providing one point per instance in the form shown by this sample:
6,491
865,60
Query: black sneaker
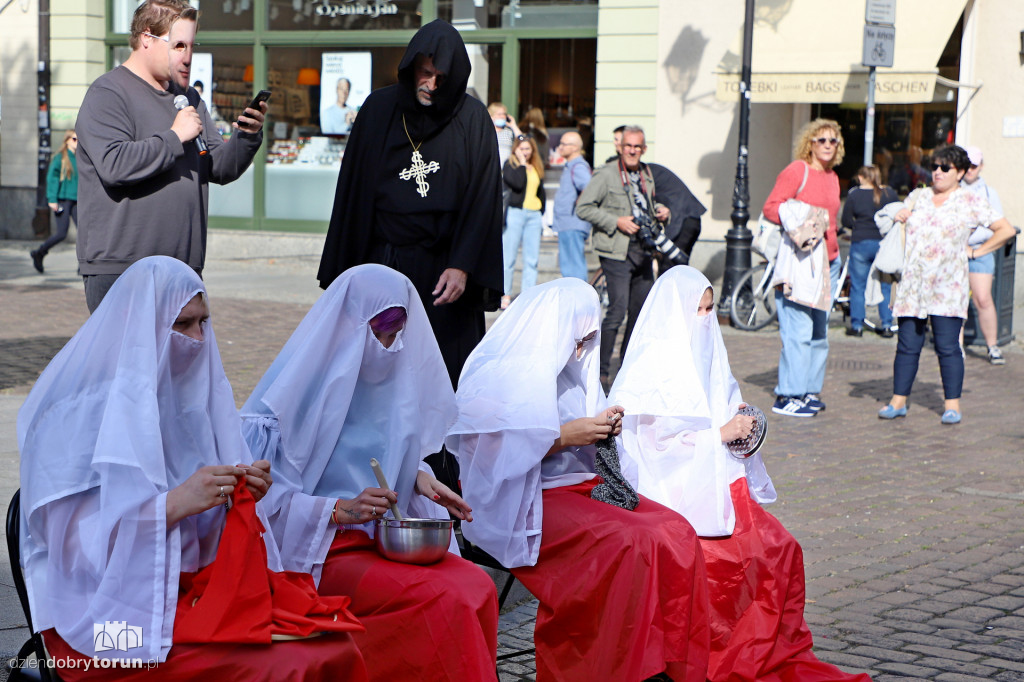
995,356
37,260
886,333
814,402
792,407
850,331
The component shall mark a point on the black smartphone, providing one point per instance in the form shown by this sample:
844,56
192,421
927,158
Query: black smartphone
261,96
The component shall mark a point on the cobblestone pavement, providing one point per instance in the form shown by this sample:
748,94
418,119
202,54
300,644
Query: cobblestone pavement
913,532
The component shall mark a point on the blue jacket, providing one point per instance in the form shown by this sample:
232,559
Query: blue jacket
575,177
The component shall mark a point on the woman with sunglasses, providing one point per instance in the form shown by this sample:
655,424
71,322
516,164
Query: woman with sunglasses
523,174
804,329
933,288
61,195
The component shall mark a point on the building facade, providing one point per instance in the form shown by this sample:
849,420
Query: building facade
669,65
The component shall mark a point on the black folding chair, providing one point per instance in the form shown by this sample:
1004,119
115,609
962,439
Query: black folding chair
471,552
34,645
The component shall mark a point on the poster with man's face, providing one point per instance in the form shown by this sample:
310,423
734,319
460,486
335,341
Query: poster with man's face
344,85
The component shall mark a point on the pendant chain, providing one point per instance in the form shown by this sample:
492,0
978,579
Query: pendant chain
415,147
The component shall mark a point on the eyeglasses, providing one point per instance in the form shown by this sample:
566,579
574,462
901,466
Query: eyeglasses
632,147
945,167
827,140
179,46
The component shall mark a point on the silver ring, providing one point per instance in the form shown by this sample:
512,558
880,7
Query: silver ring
222,492
374,511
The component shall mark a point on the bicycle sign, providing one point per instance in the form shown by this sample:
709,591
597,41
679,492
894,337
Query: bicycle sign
879,45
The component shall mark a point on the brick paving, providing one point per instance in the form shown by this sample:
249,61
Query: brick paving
913,532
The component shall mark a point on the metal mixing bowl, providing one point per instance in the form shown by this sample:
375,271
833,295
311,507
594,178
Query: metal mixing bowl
413,541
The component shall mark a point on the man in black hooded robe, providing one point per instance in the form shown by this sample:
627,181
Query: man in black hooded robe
420,192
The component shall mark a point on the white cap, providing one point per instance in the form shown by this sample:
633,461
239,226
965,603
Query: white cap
974,154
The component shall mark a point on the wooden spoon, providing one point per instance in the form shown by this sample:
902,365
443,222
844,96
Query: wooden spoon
383,483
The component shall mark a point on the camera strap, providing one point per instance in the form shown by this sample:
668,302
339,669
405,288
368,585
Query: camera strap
628,186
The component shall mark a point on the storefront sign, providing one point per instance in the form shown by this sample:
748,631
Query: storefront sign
830,88
372,9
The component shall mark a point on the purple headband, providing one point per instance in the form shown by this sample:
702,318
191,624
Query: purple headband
389,321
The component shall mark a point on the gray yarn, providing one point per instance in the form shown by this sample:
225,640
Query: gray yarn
615,490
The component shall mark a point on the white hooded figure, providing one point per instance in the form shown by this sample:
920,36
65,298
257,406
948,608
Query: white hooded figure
130,446
362,377
622,590
681,403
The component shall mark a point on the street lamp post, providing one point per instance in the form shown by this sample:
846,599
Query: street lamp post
738,238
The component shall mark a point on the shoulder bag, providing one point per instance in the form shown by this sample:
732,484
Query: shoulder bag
768,235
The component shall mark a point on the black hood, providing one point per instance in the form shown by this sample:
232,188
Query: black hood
440,41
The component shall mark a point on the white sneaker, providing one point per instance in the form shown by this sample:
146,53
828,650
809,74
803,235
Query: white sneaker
995,356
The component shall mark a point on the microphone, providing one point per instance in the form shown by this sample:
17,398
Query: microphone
180,102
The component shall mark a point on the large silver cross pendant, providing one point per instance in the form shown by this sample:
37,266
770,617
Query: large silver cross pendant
419,170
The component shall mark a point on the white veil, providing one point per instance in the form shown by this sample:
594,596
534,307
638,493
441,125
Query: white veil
335,397
126,411
517,388
678,391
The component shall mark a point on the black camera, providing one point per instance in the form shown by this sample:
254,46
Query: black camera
652,236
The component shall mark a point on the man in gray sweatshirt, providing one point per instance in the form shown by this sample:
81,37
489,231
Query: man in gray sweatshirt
142,178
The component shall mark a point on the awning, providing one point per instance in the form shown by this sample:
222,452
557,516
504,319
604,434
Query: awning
808,51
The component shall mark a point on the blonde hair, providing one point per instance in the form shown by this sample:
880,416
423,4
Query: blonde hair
535,160
66,169
157,16
494,107
802,149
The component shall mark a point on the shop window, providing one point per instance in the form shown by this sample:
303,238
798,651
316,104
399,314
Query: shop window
215,15
473,14
556,84
317,95
343,15
223,76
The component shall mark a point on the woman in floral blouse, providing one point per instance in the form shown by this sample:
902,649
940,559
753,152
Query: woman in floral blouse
933,287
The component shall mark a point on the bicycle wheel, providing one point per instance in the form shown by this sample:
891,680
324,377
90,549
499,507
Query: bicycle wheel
753,301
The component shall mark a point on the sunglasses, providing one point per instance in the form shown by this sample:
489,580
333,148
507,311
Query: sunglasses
944,167
179,46
74,139
827,140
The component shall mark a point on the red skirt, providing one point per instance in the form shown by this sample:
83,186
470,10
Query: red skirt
436,622
756,584
329,657
622,594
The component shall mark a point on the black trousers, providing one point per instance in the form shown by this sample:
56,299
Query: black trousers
629,281
63,223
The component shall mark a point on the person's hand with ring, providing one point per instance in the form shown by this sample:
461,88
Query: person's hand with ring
364,507
205,489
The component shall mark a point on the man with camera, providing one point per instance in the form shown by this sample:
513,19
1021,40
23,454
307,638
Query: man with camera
621,195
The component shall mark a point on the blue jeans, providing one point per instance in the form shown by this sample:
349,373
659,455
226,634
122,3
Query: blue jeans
804,333
862,255
521,226
946,332
571,259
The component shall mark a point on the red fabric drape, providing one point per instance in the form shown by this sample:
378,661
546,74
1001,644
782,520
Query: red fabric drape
623,594
238,599
756,585
429,623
